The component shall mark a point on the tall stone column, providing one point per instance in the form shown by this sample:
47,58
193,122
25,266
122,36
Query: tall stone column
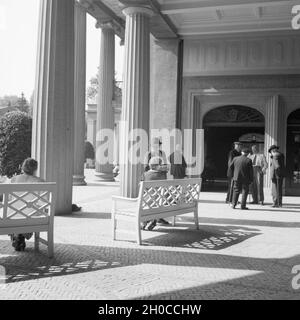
79,94
274,129
105,112
135,105
53,114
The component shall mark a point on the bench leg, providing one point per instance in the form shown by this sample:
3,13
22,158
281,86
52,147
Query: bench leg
36,241
113,226
174,221
139,232
196,218
50,244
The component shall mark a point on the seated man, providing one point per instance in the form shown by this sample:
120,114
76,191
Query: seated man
156,172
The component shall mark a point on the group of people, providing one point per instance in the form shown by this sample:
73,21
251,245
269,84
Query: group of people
246,170
156,168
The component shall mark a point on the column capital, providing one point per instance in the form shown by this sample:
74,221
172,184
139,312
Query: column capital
129,10
84,4
109,25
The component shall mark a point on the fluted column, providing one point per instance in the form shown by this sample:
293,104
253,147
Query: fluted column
79,94
274,128
105,112
135,107
53,114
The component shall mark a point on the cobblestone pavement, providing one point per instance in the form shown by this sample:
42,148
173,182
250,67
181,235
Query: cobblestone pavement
234,255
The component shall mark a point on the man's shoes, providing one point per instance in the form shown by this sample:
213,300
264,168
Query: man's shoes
253,202
151,225
163,222
262,203
275,206
232,206
244,208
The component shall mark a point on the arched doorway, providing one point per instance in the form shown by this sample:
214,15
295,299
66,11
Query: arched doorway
222,126
292,183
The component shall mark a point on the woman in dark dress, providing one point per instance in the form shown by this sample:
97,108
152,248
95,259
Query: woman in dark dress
178,164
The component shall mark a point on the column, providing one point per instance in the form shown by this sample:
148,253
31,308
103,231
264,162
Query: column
274,129
53,114
79,94
116,144
135,105
105,112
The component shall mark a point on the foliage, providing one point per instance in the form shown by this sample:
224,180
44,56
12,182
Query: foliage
93,88
89,151
15,141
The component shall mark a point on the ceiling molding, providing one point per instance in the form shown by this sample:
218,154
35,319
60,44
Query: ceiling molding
204,5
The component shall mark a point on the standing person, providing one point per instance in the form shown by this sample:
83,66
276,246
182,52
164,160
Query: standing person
178,164
154,173
260,166
155,151
241,168
236,152
28,175
277,174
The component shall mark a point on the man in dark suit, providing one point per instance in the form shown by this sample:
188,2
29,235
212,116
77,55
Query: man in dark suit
241,168
232,154
277,174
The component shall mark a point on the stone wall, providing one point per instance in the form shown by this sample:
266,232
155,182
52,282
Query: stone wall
163,83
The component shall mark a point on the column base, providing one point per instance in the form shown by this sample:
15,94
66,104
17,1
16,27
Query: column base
79,180
104,176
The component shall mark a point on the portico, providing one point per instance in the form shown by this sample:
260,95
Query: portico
181,58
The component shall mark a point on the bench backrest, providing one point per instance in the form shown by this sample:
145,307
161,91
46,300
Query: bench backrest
167,195
30,202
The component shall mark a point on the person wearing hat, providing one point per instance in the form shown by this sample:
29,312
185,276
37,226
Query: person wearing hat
277,174
156,151
260,166
232,154
154,173
242,170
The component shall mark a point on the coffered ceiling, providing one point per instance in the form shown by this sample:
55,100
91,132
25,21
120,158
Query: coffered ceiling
197,18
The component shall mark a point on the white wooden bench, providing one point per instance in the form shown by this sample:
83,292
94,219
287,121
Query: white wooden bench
157,199
28,208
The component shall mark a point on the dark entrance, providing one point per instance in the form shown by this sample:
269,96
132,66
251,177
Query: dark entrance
223,126
293,154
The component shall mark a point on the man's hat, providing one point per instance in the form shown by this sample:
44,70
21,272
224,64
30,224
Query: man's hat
273,147
246,150
237,142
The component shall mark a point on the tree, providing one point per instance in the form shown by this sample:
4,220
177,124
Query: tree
15,142
89,151
22,104
8,101
93,88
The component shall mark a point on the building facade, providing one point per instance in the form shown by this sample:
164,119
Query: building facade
230,68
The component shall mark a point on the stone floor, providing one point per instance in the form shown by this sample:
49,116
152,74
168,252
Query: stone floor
234,255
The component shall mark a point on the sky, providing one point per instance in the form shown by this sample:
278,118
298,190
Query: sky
18,43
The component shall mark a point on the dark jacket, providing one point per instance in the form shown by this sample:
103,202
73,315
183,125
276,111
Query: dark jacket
231,155
277,167
241,168
178,164
153,175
